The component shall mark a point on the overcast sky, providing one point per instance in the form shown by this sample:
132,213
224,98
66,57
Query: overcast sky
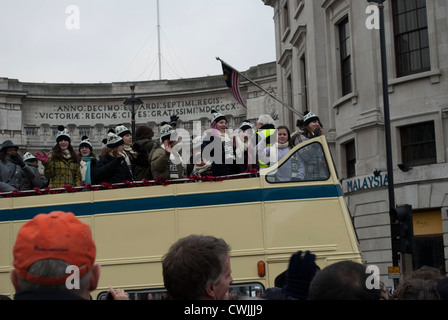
116,40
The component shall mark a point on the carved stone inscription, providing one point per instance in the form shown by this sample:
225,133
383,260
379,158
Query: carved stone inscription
90,113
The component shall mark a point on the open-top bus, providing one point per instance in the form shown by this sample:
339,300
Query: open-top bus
264,220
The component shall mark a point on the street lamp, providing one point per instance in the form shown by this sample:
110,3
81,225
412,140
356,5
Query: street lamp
390,173
132,100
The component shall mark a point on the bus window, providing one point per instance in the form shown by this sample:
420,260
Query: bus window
139,294
236,291
306,164
241,290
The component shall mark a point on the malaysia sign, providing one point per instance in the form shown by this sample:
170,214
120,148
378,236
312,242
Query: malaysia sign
365,182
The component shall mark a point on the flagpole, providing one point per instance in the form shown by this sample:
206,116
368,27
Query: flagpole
158,39
257,85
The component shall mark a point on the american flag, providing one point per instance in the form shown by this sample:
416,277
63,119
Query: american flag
231,76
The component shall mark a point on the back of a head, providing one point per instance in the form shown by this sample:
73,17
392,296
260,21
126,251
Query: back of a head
345,280
143,132
47,244
191,264
53,269
265,119
418,289
427,273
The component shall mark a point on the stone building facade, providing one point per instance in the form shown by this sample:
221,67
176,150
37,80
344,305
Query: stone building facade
31,112
329,62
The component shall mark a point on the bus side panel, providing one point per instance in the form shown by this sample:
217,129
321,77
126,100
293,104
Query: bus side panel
241,226
318,225
134,274
130,235
6,243
130,246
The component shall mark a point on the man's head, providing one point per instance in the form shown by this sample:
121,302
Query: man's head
47,245
198,267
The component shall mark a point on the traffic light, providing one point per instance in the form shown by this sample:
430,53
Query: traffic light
404,216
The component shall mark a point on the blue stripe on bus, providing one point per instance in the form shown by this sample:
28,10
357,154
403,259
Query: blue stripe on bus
181,201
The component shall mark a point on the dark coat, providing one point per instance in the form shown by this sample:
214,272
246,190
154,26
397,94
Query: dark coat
112,169
219,167
141,167
16,177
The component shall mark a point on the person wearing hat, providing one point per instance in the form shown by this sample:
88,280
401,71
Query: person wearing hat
312,156
217,147
310,127
165,163
33,163
87,161
54,259
126,135
112,166
244,149
61,167
265,130
143,145
291,169
15,174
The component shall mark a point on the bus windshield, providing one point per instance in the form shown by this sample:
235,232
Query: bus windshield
305,164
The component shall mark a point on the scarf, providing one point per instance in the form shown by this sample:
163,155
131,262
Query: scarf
66,153
227,146
130,152
85,169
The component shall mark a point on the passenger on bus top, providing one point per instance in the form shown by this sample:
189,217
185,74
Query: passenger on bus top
293,168
312,156
128,153
265,130
61,167
112,166
38,181
197,267
244,148
143,145
166,164
87,161
45,247
15,174
309,128
217,147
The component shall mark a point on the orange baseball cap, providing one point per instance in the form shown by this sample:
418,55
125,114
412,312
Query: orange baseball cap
57,235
